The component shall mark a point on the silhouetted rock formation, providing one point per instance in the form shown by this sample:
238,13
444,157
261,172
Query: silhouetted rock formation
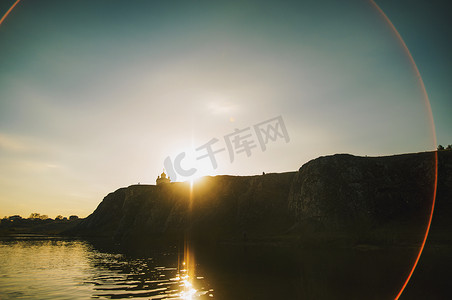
222,206
355,195
382,199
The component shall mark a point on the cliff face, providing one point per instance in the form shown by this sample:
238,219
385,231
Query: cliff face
216,206
339,193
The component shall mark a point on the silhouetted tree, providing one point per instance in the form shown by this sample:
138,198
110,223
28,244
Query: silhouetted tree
73,217
35,216
449,147
15,217
38,216
59,217
440,147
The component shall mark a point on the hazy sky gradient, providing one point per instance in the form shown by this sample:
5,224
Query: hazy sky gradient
94,95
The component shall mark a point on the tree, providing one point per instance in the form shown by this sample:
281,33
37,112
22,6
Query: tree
73,217
449,147
440,147
35,216
59,217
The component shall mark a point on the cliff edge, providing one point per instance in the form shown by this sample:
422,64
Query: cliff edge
362,199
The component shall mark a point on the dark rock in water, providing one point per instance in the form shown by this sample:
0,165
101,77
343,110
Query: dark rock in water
363,198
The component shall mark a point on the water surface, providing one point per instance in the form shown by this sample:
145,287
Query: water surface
36,267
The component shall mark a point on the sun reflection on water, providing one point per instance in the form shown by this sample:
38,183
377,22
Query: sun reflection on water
187,290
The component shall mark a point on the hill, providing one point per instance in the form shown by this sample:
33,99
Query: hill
329,199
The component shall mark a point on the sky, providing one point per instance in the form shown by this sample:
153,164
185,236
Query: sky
98,95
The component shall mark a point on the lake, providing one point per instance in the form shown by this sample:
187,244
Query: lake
34,267
39,267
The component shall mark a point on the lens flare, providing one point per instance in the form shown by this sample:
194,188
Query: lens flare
432,128
8,12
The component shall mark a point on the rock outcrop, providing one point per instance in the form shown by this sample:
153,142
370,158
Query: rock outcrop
342,190
215,206
360,196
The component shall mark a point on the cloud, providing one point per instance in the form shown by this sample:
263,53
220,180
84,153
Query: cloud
27,146
12,143
222,107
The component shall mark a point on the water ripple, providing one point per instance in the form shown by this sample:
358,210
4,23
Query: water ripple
70,269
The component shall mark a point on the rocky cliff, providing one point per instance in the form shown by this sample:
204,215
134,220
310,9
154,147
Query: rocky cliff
215,206
340,195
341,190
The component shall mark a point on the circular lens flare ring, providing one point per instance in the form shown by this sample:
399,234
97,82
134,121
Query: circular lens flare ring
432,128
8,12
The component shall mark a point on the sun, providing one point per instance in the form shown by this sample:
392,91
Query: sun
197,166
